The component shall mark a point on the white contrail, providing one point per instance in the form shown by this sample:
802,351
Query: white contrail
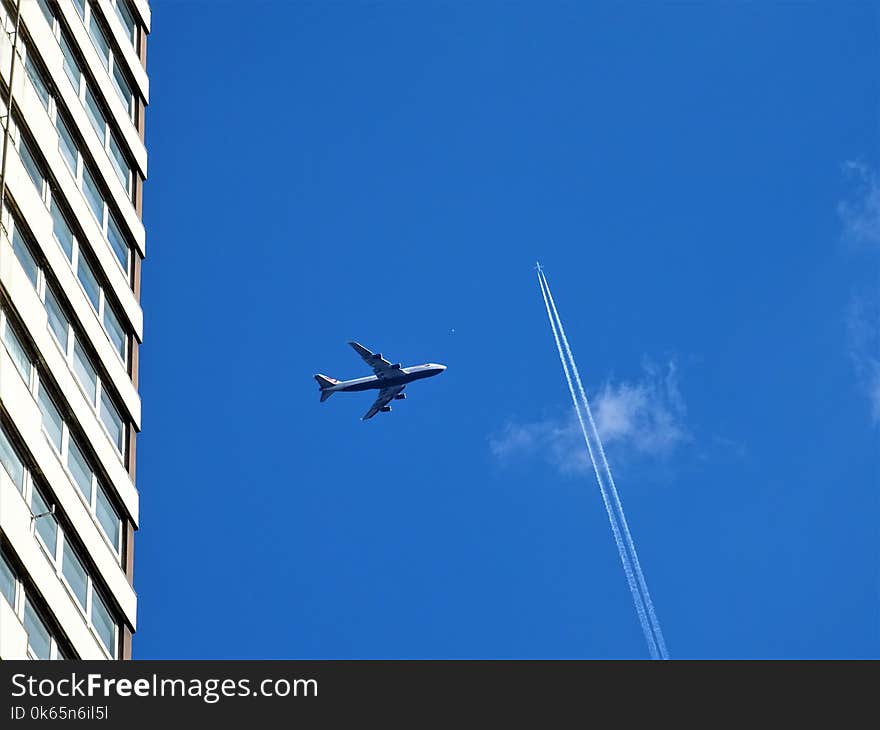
655,624
615,529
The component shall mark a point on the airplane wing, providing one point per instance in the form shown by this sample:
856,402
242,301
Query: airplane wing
386,395
381,367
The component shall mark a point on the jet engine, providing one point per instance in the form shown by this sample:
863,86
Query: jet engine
401,396
385,409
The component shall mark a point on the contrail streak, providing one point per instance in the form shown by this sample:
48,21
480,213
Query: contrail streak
655,624
615,529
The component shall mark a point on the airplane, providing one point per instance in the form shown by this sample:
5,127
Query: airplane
389,380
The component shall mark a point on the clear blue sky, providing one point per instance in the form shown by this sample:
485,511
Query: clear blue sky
696,179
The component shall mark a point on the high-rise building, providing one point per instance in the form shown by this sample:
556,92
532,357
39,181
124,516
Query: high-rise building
73,89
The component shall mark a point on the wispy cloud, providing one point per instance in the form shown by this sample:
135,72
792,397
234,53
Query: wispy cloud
642,418
863,325
860,215
556,440
647,415
860,220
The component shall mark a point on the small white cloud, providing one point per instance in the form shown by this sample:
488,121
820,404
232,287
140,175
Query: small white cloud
647,416
641,418
874,392
861,215
863,324
559,441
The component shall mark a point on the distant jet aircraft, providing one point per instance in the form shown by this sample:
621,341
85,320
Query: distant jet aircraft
389,380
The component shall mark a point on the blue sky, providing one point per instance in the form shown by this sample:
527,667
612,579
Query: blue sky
699,181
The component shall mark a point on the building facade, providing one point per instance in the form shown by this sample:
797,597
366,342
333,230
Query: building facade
73,90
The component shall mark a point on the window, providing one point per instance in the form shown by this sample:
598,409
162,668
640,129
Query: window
37,80
30,164
122,88
127,20
52,421
96,117
68,243
103,623
120,164
7,581
114,331
85,371
71,65
79,467
99,39
111,62
24,256
64,556
62,231
11,462
107,516
80,7
108,141
39,639
112,325
46,524
68,147
93,196
113,422
47,11
90,284
117,241
72,569
16,351
57,321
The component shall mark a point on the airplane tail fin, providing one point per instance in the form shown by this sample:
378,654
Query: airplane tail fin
325,383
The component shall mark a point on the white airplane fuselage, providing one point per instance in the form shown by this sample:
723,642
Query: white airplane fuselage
374,382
